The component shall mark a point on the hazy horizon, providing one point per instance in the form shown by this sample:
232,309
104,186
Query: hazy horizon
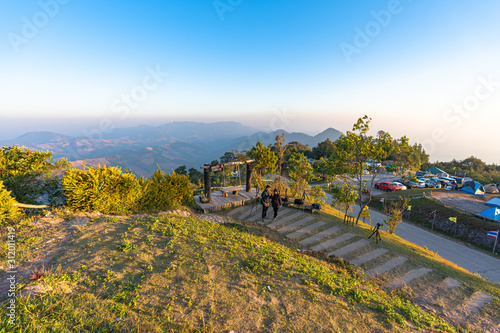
422,69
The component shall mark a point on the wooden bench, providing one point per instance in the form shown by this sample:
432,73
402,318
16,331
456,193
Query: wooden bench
234,189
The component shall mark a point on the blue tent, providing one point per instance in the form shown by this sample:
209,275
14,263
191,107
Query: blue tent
437,172
473,188
492,213
495,202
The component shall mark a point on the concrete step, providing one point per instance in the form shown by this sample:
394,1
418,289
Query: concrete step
332,242
386,267
306,230
294,225
238,210
349,248
279,221
406,279
368,256
319,236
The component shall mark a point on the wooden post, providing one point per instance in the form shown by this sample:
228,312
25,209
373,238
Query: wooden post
433,220
208,185
249,177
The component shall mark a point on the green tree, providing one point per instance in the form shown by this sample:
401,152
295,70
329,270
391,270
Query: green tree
344,197
195,177
279,149
323,149
317,193
181,170
352,151
300,172
394,210
228,157
296,147
31,175
265,162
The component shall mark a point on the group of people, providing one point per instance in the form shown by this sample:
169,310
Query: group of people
270,199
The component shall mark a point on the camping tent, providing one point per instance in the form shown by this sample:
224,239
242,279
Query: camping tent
495,202
473,188
491,188
492,213
438,172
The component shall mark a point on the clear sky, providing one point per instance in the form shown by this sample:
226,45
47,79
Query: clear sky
426,69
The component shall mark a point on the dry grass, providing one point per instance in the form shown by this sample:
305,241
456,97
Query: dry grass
174,274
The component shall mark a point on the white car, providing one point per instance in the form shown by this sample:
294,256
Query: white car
400,185
421,184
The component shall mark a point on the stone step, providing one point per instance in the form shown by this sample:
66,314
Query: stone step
351,247
296,224
319,236
306,230
368,256
332,242
251,209
434,292
407,278
282,213
284,220
478,300
386,267
237,210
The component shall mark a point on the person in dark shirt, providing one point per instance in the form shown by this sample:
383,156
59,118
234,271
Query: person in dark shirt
264,200
276,202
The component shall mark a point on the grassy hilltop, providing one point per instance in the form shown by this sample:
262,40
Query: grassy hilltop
182,274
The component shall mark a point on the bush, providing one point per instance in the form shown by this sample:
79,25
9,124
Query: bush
105,189
31,176
8,210
164,192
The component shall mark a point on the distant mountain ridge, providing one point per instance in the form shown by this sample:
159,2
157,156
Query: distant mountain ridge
142,148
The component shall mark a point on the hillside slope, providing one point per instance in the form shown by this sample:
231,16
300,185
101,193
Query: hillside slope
182,274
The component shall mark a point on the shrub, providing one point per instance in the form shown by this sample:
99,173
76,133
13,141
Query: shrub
105,189
31,176
8,210
163,191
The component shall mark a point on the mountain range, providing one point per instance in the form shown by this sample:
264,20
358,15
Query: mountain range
143,148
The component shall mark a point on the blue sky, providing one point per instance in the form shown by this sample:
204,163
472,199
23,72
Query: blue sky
421,68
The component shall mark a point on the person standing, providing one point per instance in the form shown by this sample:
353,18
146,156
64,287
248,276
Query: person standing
276,202
264,200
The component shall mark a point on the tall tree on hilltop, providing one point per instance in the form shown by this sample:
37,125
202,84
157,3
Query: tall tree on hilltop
265,162
279,149
323,149
301,172
352,151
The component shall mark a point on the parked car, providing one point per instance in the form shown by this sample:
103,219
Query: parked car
387,186
409,184
431,183
403,187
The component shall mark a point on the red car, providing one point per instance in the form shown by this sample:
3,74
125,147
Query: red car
387,186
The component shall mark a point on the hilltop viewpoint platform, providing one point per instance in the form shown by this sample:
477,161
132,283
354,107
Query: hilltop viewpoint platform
219,202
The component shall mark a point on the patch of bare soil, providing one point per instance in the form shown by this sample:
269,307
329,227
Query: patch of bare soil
468,202
61,232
